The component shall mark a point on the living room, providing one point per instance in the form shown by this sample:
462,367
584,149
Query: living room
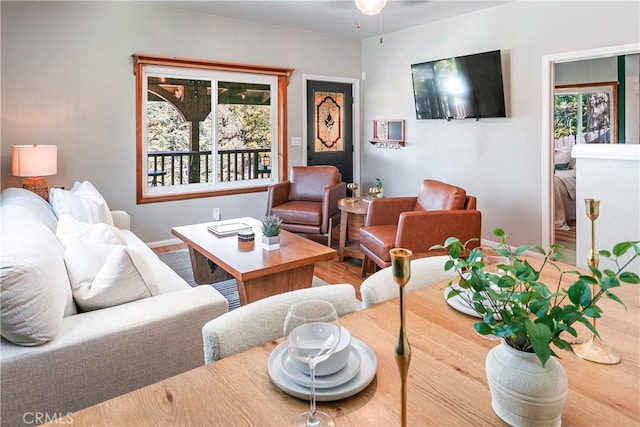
67,80
49,96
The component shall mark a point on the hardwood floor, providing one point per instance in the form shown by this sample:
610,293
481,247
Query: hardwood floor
568,240
333,272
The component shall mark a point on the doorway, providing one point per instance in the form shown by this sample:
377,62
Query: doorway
331,124
549,232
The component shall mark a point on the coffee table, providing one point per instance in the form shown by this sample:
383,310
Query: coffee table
259,273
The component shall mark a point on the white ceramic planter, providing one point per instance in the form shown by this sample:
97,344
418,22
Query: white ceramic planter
270,243
523,393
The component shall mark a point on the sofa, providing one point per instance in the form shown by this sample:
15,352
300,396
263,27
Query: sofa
59,356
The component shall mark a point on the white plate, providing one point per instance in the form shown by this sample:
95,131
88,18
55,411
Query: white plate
326,381
366,373
458,303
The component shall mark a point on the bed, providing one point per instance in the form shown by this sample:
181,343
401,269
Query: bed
564,184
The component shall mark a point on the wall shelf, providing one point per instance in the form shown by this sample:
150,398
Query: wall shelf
388,133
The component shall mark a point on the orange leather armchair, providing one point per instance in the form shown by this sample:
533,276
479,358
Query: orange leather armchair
308,202
417,223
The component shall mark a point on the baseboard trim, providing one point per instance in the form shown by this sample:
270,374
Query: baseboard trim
161,243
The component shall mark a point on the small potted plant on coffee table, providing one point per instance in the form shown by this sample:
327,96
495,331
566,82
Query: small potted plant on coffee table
271,226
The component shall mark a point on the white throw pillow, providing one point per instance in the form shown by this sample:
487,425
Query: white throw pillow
70,228
35,293
83,202
104,275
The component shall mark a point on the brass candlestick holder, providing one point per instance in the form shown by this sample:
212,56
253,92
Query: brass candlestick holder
593,349
401,268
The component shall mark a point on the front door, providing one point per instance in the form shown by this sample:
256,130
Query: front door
330,126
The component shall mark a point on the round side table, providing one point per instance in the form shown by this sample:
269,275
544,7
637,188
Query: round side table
353,215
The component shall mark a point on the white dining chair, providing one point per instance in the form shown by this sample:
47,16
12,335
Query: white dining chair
263,320
380,286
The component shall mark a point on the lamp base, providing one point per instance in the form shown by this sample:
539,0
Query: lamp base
38,185
594,351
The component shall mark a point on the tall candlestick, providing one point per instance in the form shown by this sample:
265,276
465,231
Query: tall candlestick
401,269
593,349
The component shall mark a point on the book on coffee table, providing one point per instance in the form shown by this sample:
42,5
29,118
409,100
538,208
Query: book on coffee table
228,229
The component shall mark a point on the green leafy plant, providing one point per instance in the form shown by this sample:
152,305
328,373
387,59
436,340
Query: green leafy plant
526,313
271,225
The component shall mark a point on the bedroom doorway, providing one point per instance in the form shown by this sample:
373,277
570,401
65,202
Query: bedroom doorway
557,148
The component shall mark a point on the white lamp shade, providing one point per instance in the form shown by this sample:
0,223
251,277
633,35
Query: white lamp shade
34,160
370,7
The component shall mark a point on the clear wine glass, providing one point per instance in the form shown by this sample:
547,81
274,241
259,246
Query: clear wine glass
312,332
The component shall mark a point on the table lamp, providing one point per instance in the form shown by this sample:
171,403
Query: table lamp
33,162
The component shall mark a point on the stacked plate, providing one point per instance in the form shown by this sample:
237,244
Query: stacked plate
459,302
293,378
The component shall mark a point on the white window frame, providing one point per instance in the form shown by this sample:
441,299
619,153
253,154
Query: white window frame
213,77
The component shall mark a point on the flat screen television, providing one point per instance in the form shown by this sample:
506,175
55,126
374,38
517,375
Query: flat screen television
460,87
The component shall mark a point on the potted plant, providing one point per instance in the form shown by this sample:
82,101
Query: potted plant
529,317
271,226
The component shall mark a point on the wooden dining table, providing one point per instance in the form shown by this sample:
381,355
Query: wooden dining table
446,382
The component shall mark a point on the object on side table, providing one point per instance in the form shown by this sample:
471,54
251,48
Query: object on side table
33,162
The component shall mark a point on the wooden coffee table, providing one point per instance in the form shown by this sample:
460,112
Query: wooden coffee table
259,273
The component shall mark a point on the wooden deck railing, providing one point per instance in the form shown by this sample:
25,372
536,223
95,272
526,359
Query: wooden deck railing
187,167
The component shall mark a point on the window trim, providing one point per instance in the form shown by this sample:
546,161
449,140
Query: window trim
604,86
283,74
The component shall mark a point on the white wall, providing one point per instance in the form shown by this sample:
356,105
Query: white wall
497,160
67,79
619,218
588,71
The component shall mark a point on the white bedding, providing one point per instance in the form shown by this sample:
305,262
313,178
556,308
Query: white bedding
564,183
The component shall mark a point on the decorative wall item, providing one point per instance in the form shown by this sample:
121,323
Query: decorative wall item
329,121
388,133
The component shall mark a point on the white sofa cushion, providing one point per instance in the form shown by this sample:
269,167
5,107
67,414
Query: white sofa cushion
104,275
35,293
70,228
34,206
83,202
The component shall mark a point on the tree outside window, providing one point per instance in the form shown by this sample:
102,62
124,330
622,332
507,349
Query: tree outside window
189,149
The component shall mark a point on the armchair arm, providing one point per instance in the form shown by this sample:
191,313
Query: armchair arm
419,230
278,194
330,198
386,211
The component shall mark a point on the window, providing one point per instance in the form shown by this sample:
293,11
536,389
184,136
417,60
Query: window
207,128
586,113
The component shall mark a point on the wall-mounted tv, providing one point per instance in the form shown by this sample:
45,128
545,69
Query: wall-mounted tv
459,88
